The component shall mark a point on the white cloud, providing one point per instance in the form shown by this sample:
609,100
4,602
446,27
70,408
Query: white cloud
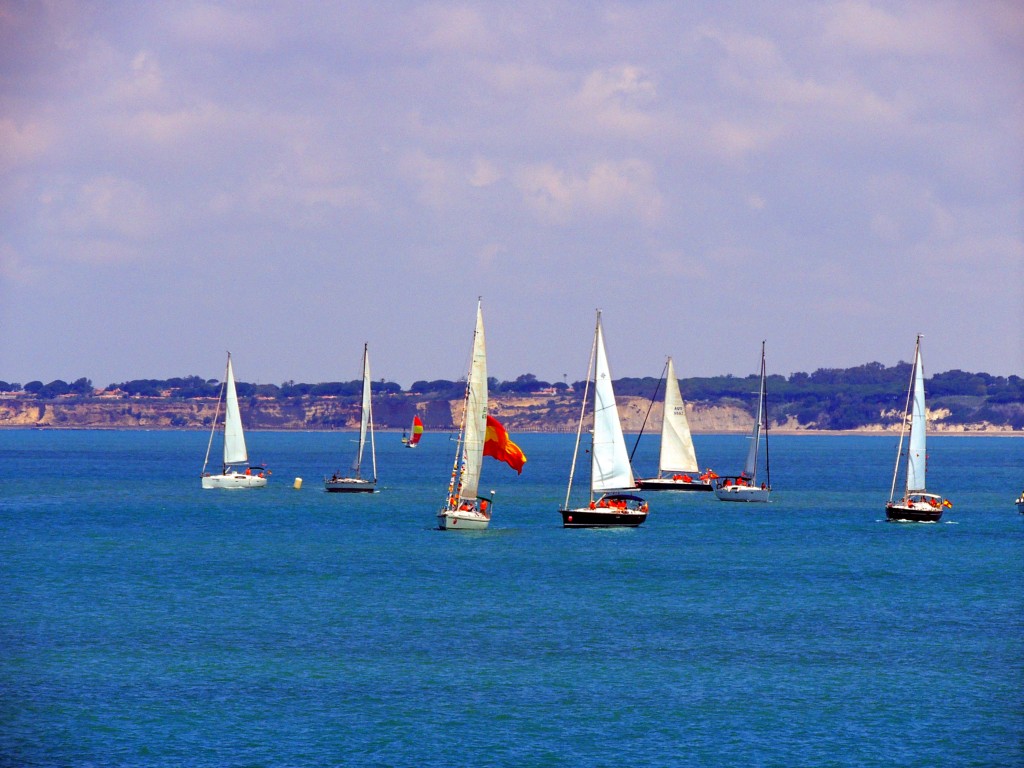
14,268
625,188
921,29
21,144
485,173
450,29
613,101
143,81
115,206
219,27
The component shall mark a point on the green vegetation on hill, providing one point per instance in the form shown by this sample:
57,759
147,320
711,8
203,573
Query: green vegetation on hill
828,398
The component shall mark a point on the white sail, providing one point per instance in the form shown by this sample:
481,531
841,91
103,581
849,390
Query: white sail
234,440
916,451
750,467
610,468
366,417
476,413
677,452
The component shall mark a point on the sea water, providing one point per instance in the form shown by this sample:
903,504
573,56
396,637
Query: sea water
145,621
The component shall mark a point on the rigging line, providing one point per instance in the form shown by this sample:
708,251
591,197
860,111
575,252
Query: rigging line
650,405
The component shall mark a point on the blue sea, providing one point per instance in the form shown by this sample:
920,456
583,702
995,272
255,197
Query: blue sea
146,622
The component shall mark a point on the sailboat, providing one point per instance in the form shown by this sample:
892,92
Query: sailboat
463,508
415,433
356,483
235,455
678,469
611,475
745,487
917,504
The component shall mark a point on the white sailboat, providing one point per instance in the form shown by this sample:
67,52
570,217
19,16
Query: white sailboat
235,455
463,508
745,486
356,483
678,469
611,475
917,504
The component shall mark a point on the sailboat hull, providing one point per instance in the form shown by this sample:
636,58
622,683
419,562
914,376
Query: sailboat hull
669,484
742,493
350,485
462,520
602,518
914,512
234,480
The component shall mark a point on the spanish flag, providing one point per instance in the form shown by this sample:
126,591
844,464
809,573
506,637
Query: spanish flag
947,503
498,446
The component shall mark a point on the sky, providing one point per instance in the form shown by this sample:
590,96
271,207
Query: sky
289,180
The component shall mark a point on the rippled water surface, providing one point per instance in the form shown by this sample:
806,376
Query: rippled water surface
144,621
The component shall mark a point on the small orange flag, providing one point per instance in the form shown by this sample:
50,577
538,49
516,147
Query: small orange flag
498,446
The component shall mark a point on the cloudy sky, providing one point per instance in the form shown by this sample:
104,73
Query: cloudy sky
288,180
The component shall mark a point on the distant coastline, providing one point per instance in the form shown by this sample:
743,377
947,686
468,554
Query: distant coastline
519,413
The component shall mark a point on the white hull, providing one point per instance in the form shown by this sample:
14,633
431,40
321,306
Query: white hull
234,480
462,520
742,493
349,485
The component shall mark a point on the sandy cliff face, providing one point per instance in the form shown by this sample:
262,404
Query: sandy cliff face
517,413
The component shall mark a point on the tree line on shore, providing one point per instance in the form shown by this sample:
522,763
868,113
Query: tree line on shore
829,398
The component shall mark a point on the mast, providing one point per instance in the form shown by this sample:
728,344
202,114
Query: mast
609,467
234,438
750,467
365,418
764,399
369,408
916,456
903,425
677,452
476,418
472,430
583,412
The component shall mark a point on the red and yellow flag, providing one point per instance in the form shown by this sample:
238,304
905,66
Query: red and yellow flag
498,446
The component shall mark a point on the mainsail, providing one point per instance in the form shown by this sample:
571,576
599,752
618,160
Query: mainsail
366,418
610,468
916,451
476,414
417,430
750,467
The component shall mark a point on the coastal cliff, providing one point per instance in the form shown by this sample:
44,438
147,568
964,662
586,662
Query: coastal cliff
518,413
